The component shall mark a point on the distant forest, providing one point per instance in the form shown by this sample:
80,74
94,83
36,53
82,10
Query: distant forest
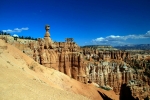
20,37
4,33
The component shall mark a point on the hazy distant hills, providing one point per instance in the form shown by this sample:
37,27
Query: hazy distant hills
100,47
134,47
123,47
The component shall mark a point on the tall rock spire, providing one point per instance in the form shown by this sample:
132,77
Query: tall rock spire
48,41
47,28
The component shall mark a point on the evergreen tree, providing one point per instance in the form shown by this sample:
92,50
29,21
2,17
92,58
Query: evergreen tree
5,33
35,38
29,37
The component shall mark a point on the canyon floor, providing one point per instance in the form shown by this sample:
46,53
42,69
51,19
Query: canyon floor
21,78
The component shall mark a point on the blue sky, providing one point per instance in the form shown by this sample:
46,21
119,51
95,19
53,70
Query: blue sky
104,22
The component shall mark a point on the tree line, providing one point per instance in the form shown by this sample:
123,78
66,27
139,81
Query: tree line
20,37
27,37
4,33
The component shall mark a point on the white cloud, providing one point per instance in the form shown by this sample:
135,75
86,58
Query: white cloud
119,40
100,39
114,38
147,34
7,30
16,30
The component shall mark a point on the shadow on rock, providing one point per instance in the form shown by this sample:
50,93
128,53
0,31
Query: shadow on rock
125,93
105,97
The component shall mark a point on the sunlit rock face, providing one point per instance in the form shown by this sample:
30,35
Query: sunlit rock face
46,53
62,56
110,69
118,68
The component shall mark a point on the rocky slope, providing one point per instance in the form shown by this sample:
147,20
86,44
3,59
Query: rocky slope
21,78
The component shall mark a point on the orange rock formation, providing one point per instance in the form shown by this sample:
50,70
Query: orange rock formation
108,69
